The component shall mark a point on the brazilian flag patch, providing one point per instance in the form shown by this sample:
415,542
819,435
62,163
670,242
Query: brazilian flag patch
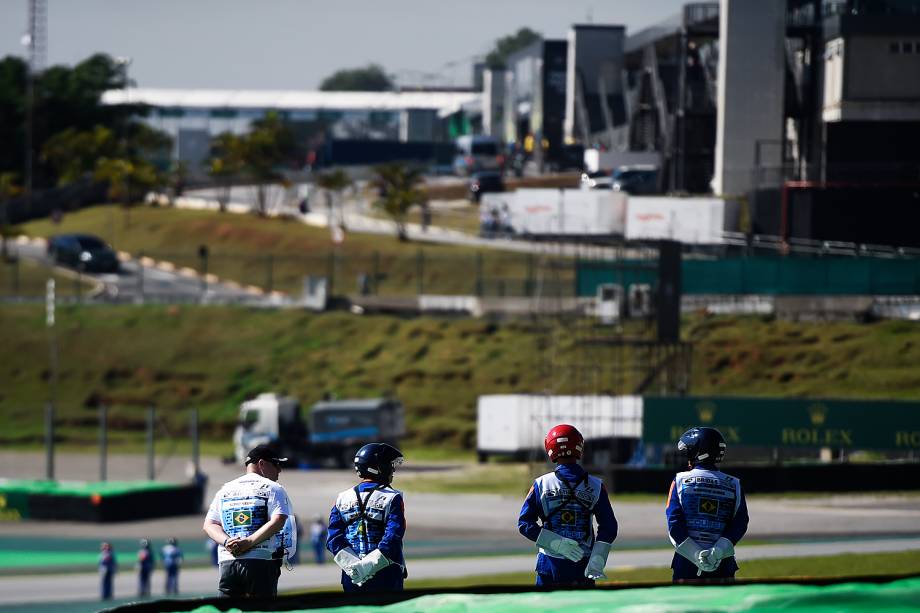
242,519
567,517
709,506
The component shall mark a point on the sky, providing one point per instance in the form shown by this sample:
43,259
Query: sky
295,44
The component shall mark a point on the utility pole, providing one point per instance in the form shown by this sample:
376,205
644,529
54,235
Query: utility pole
35,40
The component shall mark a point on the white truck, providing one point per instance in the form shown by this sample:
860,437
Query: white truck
333,432
515,425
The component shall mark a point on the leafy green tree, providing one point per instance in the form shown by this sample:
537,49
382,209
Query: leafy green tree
9,189
73,154
505,46
128,180
225,165
334,182
266,149
398,186
371,78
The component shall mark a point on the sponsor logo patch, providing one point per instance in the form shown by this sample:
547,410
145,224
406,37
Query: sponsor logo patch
709,506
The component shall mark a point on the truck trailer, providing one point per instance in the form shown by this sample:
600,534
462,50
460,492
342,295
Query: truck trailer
333,431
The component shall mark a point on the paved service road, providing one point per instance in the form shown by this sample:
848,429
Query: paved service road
146,279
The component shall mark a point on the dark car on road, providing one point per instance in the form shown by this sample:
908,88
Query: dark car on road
485,181
83,252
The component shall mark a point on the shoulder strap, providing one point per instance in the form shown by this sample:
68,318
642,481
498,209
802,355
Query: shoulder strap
571,495
362,504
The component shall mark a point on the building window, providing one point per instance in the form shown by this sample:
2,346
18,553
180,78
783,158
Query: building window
907,47
894,47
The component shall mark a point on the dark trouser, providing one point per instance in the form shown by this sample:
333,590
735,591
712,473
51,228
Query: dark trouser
389,579
172,579
107,585
143,583
686,572
562,572
249,578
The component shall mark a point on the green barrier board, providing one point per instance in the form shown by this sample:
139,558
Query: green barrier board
790,422
79,488
901,595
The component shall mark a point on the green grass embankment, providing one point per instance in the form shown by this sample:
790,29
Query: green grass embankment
212,358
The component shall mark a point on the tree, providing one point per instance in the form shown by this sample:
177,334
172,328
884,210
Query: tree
225,165
505,46
334,182
129,180
8,190
73,154
398,188
371,78
267,147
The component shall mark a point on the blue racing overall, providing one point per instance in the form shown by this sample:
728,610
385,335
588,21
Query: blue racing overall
566,502
705,504
367,517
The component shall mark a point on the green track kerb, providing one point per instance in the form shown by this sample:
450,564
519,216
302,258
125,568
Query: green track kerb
903,595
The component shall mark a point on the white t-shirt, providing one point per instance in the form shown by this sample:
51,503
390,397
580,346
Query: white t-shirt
244,505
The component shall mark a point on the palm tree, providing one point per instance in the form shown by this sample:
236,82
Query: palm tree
398,188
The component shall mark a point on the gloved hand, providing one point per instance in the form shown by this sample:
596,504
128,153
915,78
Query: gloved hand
701,558
560,545
597,561
364,569
346,558
721,550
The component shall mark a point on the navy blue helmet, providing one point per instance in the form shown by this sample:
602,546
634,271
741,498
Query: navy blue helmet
702,445
378,462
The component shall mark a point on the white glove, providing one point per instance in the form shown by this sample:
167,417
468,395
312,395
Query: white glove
598,560
346,558
560,545
363,570
700,557
721,550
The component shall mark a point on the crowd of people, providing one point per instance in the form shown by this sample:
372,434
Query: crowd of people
171,559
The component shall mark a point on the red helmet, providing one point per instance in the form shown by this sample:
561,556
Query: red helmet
564,441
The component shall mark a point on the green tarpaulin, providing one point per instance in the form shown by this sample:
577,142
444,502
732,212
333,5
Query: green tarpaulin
901,595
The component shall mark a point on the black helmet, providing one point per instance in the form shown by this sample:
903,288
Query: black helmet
702,445
378,462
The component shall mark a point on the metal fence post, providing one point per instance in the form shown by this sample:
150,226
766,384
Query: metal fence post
269,280
419,272
140,276
151,416
376,264
49,441
330,272
103,441
479,290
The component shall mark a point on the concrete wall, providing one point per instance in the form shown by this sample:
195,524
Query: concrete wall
874,71
751,79
493,103
595,55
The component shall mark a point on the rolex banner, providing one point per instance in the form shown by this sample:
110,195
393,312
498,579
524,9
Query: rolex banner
779,422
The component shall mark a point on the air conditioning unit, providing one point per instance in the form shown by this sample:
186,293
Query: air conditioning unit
640,300
609,303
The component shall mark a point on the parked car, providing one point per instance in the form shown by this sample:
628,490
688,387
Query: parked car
477,152
485,181
636,180
83,251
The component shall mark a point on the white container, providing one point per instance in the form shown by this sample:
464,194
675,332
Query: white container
512,423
